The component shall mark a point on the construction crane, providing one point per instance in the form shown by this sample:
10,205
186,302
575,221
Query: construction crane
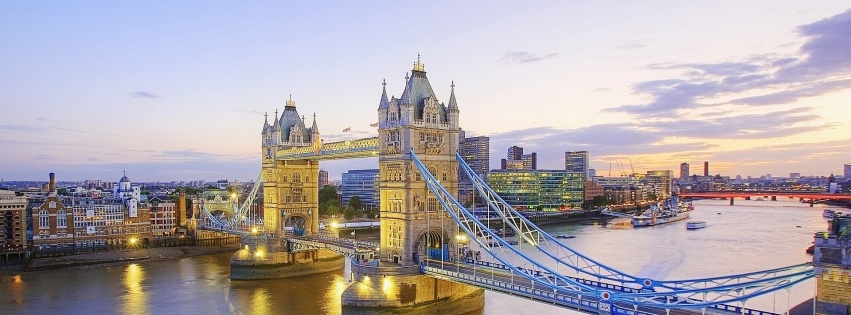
631,168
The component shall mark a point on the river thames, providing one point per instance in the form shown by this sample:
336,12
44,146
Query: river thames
750,236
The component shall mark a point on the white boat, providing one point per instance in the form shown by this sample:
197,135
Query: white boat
565,235
694,225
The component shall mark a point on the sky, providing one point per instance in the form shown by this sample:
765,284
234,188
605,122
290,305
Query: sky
170,90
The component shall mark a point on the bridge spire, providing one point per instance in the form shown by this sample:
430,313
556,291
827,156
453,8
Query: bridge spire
453,105
383,103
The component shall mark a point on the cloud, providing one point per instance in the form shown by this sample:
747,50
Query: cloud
525,57
21,128
143,94
42,157
819,67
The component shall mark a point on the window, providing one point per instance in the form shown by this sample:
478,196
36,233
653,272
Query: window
43,219
61,219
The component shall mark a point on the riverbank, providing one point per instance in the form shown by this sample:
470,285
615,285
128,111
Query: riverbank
120,257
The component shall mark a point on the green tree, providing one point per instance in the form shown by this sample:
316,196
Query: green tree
62,191
330,207
355,203
599,201
652,197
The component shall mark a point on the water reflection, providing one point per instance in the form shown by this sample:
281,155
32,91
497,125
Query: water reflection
135,297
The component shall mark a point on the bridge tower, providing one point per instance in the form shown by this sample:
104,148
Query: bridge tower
412,220
832,262
290,187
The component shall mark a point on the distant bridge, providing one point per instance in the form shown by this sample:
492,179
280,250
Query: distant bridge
803,196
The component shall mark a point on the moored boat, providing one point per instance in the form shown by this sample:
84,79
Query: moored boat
694,225
671,211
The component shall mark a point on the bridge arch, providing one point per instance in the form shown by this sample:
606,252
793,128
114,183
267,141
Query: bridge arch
297,224
433,243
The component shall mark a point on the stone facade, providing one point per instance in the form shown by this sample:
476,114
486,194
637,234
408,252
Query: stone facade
290,187
832,262
411,218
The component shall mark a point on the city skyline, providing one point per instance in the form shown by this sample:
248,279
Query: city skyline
754,88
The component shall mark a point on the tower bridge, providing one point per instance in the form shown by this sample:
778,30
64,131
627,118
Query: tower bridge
425,254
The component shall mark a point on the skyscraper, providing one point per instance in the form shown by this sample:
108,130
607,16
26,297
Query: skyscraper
476,152
516,160
576,162
706,168
847,172
684,171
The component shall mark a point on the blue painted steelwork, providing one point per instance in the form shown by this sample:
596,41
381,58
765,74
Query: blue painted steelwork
721,292
238,222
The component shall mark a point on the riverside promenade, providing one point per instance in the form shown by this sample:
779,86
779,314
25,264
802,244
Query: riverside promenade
111,258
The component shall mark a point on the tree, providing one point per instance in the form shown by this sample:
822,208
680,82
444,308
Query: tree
328,193
355,203
652,197
62,191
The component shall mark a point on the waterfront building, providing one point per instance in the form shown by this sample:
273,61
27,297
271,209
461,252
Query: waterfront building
162,211
659,183
360,183
847,171
547,190
13,228
52,222
576,162
592,189
684,172
706,169
122,219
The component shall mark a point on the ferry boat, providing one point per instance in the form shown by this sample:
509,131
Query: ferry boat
671,211
828,213
694,225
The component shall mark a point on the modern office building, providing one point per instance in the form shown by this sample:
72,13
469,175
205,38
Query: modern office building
684,172
476,153
13,228
547,190
659,183
576,162
847,171
706,169
530,161
361,183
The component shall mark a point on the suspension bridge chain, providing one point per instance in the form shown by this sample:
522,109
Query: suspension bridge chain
671,294
564,255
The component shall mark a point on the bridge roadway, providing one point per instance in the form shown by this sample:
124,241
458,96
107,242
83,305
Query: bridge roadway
498,277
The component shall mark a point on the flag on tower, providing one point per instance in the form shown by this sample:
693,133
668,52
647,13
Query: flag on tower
373,125
347,129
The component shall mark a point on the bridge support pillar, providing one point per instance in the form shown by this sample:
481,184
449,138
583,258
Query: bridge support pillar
395,289
773,198
748,198
731,200
812,202
267,258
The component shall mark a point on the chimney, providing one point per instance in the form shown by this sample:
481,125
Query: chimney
181,208
52,186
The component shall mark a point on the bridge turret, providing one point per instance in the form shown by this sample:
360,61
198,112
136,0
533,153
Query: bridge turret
832,262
